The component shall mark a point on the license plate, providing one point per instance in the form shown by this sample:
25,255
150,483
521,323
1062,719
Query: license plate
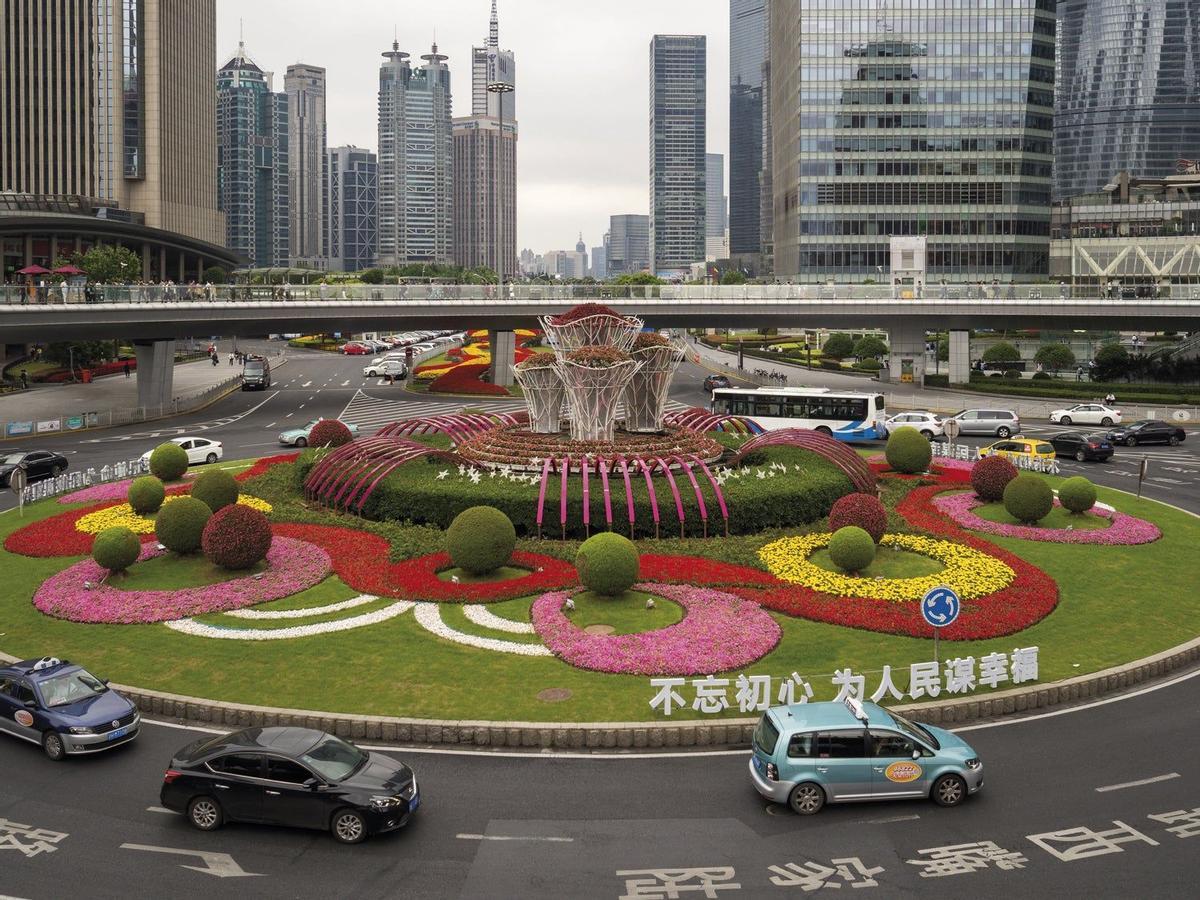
119,733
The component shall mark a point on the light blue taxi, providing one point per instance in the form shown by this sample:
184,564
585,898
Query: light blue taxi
810,754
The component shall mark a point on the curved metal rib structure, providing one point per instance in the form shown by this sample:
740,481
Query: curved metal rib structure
854,466
646,393
347,477
594,394
544,393
458,426
702,420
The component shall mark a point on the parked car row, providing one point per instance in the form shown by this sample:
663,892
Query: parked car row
420,341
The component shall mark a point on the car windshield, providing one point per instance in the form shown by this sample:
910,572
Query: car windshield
254,366
63,690
334,759
914,730
766,735
12,459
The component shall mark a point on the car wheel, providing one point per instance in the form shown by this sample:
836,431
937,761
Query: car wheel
211,458
205,813
348,827
1065,421
53,744
1003,432
1173,440
828,432
806,799
57,470
301,442
927,433
949,790
1080,455
1106,421
1131,441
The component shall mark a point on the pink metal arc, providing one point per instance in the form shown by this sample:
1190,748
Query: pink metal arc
352,473
702,420
853,465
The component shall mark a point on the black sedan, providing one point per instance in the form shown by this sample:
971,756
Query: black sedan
1148,431
712,382
36,463
1082,446
290,776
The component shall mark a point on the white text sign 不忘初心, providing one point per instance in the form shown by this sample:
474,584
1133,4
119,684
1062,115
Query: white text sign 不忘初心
754,693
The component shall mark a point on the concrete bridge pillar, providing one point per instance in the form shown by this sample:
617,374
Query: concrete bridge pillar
960,357
504,347
155,372
906,363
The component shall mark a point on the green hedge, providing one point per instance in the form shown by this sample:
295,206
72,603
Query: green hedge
414,494
1081,390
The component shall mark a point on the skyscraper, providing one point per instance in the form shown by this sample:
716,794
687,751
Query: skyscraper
912,119
628,244
747,65
1128,91
108,105
305,89
715,207
353,209
678,69
253,177
416,160
481,155
599,268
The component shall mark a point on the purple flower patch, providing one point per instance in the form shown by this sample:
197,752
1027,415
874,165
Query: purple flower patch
1122,530
719,632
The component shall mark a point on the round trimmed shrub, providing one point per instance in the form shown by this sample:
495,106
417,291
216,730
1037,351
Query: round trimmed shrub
216,489
146,494
1077,495
990,476
480,539
180,524
1012,374
329,433
1041,376
168,461
1028,498
908,450
116,549
862,510
851,549
607,564
236,537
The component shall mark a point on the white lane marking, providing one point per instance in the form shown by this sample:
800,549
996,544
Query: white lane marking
301,406
161,809
289,415
273,424
503,837
893,819
345,384
1139,783
306,384
220,864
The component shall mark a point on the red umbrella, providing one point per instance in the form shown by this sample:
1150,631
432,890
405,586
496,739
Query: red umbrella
33,270
68,269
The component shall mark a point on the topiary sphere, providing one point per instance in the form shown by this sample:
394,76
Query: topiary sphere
1077,494
168,461
236,537
329,433
1028,498
990,476
862,510
116,549
480,539
607,564
146,495
908,450
851,548
180,524
216,488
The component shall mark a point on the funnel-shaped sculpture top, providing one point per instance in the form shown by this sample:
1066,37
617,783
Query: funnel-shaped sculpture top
543,390
591,324
594,378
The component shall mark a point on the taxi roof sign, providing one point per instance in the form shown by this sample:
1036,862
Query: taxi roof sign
856,708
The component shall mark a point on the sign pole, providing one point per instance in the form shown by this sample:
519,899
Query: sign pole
17,480
1143,468
940,607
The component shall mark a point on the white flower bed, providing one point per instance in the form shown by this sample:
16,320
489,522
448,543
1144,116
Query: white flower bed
200,629
429,617
360,600
484,617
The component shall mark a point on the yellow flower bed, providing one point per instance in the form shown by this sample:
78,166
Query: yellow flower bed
123,514
969,572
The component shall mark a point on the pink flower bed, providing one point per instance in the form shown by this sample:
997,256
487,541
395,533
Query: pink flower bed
1123,529
292,566
115,491
719,632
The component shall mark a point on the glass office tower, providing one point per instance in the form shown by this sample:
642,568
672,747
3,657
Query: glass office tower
747,59
1128,91
914,117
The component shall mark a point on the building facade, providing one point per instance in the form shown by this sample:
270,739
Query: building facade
747,73
918,118
678,128
1128,92
416,160
628,244
716,208
253,174
353,209
479,155
599,267
106,111
308,157
565,263
491,64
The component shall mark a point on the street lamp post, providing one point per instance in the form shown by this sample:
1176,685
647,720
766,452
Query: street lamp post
500,88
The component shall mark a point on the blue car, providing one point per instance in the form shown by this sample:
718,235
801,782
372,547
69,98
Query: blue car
810,754
64,708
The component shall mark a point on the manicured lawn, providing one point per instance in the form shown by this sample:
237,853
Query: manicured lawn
504,573
890,562
625,614
170,571
1058,518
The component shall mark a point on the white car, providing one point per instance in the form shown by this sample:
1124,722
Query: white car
1087,414
199,450
382,364
927,423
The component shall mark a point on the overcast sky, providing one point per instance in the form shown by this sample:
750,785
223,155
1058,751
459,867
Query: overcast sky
582,85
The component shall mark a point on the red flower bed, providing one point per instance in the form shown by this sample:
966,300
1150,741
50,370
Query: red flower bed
361,560
700,571
466,378
265,463
109,368
56,536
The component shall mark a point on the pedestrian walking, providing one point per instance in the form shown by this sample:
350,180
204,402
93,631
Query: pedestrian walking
24,379
125,368
1079,373
214,359
1110,399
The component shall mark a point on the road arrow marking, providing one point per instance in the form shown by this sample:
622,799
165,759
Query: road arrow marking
220,864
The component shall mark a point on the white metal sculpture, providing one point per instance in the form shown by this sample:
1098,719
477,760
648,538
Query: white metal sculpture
599,329
544,392
594,393
646,393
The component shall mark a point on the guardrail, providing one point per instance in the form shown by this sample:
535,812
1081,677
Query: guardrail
74,481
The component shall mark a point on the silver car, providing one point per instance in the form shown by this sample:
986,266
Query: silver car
999,422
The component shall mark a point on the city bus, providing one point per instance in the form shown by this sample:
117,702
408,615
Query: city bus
846,415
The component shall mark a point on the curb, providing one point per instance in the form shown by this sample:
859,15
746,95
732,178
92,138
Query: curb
715,733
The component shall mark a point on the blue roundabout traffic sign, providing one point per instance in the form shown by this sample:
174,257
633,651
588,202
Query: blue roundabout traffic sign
940,606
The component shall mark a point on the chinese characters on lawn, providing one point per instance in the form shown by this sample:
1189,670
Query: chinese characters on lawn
755,693
1067,845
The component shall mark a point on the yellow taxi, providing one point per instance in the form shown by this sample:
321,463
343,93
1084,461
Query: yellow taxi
1020,447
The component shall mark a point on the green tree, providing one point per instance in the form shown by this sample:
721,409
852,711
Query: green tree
82,353
1112,362
639,278
216,275
109,264
943,349
371,276
1055,357
870,347
838,346
733,276
1001,351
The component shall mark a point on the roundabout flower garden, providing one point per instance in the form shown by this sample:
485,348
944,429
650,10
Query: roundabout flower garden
465,590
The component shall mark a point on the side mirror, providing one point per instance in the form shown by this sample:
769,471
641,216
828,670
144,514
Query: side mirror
312,784
104,681
916,754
